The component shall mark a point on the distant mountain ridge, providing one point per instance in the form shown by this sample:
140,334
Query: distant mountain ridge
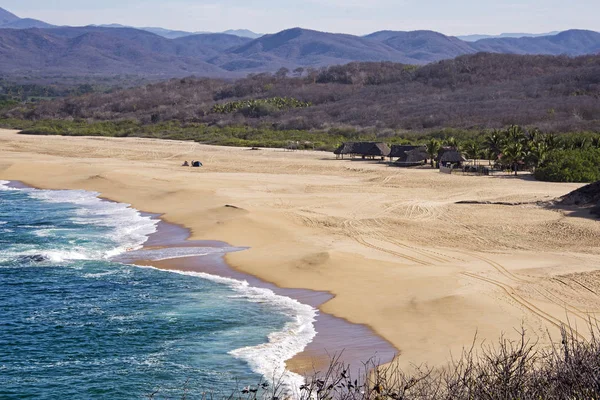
34,47
9,20
7,17
175,34
476,37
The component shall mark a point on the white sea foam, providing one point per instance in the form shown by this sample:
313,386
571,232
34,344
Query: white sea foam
269,359
129,229
169,253
3,185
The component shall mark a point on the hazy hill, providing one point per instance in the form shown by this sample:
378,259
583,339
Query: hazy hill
9,20
84,51
424,46
243,33
313,48
176,34
26,23
7,17
120,50
208,45
555,93
476,37
573,42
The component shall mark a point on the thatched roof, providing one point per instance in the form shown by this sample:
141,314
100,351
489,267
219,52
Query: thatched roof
414,156
345,148
451,156
399,150
364,149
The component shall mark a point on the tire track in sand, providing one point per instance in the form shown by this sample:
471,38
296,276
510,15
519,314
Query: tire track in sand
511,293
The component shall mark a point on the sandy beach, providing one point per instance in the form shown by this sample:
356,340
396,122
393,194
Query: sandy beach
390,244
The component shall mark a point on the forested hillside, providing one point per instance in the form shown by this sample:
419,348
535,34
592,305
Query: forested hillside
97,50
554,93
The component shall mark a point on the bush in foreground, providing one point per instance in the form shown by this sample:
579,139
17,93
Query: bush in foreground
509,370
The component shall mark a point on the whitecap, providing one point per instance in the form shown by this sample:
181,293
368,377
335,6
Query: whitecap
169,253
268,359
129,229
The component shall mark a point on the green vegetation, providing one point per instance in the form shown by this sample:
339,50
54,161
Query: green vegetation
242,136
581,165
571,157
259,107
12,92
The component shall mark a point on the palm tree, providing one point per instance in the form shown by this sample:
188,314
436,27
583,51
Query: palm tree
537,153
551,141
433,147
451,142
494,143
513,153
515,133
472,149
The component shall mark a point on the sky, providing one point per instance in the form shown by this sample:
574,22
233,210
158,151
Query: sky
357,17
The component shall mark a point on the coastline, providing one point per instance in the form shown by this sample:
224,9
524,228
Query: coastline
391,244
354,343
330,330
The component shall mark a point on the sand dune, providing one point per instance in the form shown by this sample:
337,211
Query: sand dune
392,244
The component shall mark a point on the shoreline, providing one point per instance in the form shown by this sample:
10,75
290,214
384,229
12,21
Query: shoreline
392,245
328,340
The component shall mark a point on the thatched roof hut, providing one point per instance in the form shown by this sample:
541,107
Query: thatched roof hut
399,150
451,157
364,149
345,148
411,158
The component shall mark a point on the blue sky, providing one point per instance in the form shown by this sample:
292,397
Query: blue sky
347,16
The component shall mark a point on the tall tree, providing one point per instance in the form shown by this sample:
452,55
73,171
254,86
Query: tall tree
494,143
433,147
513,153
472,149
451,142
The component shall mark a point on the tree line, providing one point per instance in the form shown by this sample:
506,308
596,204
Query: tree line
564,158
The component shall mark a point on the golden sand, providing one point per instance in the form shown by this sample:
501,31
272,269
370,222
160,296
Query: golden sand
391,244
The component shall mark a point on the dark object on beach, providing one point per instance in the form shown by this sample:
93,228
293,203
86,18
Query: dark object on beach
255,148
196,164
185,164
586,196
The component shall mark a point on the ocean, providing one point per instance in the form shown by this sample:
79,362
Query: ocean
78,322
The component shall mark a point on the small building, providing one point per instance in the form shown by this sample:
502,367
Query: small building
365,150
345,149
399,150
412,158
450,158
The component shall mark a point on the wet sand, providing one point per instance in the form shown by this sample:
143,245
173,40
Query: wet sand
353,343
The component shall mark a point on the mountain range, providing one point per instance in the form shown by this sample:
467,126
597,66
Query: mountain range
476,37
175,34
31,47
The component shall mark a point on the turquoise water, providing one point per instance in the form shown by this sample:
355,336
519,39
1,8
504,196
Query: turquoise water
76,324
